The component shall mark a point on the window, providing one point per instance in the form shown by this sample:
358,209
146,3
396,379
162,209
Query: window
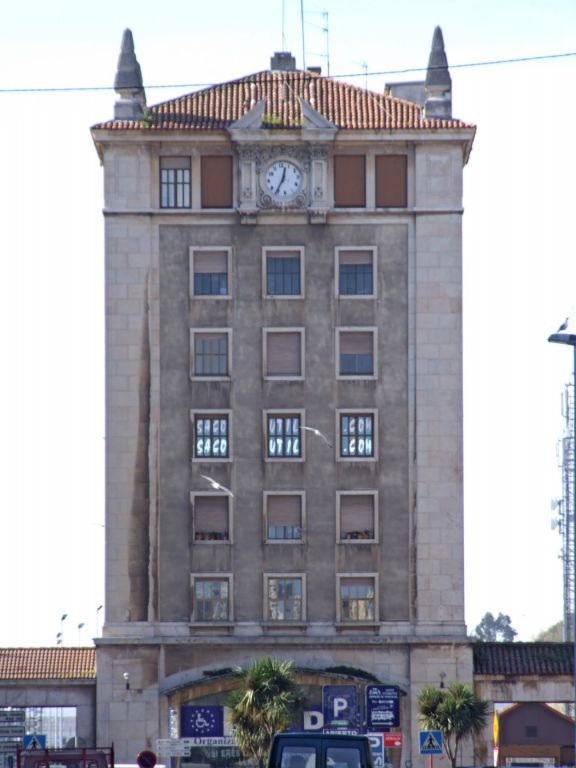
216,181
355,269
298,757
210,353
531,731
283,439
355,352
175,182
357,434
391,181
211,435
357,598
209,272
211,598
343,757
349,181
284,597
357,516
210,517
282,272
284,517
283,353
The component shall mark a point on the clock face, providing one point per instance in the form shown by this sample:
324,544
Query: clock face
283,180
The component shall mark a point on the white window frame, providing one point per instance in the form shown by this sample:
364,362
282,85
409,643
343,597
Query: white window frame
353,411
287,377
199,249
202,331
271,249
230,500
284,412
355,296
339,495
283,622
290,542
358,329
211,412
351,622
229,577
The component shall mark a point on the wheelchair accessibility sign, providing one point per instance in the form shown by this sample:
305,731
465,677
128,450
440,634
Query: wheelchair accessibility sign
430,742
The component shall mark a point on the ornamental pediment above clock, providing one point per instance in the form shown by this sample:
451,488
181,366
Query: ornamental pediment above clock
260,118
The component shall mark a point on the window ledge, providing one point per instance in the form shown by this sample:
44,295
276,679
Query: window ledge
343,625
227,626
283,625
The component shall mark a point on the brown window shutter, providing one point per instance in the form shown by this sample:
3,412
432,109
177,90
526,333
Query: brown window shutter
356,342
284,510
355,257
357,516
211,514
216,181
210,261
349,181
357,582
283,354
391,181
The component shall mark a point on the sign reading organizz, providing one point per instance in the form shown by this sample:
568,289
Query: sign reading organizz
382,706
339,706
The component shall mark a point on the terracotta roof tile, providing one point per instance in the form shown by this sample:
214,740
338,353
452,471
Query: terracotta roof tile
523,658
346,106
57,663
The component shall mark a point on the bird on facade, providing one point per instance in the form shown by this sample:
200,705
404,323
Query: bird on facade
319,434
563,326
217,486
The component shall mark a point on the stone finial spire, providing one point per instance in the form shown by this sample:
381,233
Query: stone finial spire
438,85
128,83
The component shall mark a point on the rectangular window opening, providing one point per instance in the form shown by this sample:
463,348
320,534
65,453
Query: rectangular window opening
357,435
209,269
284,517
283,438
175,182
210,350
357,599
210,599
284,594
356,353
211,436
211,518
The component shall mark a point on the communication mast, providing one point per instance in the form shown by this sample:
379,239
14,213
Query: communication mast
566,509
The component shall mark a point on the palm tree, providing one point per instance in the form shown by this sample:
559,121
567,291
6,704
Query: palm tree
263,704
455,711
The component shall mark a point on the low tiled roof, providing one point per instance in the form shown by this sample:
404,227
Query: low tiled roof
515,659
57,663
346,106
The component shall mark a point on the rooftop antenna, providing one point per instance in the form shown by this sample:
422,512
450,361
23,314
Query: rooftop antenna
302,25
325,30
283,31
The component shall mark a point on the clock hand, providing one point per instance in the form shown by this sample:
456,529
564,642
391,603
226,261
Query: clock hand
281,180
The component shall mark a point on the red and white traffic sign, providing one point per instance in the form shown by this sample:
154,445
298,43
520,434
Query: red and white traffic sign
393,739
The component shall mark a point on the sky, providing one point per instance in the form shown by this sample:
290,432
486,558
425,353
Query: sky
519,268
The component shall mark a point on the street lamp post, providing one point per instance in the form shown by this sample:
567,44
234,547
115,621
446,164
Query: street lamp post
562,337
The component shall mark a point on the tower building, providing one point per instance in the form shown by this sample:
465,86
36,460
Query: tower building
283,392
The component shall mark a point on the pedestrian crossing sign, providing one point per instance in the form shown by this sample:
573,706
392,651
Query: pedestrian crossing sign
34,741
430,742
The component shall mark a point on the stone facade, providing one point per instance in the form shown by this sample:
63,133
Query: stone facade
413,632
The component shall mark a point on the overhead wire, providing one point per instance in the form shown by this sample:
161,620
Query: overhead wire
466,65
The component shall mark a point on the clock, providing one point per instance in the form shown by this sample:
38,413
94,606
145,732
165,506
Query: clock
282,180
